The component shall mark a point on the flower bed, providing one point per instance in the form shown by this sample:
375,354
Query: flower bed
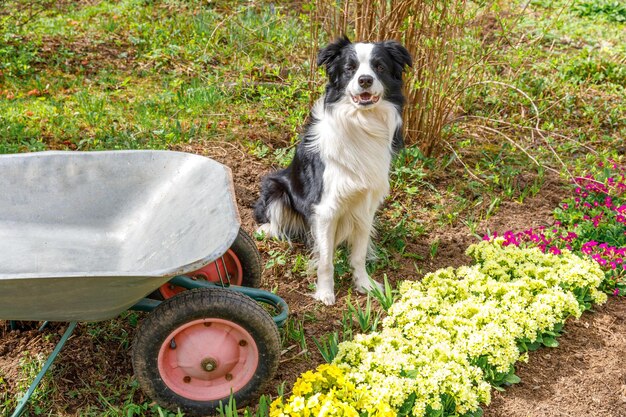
452,336
592,222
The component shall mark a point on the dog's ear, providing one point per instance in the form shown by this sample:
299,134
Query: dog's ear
399,53
329,54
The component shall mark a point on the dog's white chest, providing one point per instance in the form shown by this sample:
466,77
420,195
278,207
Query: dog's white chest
355,147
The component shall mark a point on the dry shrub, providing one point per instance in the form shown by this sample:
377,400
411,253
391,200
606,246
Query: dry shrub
432,31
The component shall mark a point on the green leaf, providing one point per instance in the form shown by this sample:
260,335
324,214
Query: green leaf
550,342
476,413
407,406
512,379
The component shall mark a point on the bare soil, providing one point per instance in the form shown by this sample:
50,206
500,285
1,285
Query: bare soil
584,377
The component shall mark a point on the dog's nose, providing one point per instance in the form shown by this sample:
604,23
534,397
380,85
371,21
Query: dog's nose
366,81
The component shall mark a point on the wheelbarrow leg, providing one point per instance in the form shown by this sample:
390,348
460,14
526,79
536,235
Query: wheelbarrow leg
22,404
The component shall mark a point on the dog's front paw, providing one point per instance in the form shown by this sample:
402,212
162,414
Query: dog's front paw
325,296
365,286
265,230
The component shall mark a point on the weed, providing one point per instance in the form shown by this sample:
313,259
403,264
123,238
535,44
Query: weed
347,324
277,258
587,69
366,318
611,10
433,248
342,262
294,331
393,239
385,295
30,365
328,346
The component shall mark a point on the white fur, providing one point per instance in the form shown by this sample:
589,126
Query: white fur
285,222
355,146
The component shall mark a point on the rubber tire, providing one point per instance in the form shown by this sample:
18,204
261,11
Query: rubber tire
250,259
198,304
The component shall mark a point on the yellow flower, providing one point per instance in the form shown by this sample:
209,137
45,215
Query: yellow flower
435,333
302,387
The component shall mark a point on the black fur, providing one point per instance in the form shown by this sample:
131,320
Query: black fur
298,186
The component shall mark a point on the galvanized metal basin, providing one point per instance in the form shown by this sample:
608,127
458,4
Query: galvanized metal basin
85,235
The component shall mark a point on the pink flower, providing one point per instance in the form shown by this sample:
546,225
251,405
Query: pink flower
555,251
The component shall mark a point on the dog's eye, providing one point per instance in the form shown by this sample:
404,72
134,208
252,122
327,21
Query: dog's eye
380,68
351,67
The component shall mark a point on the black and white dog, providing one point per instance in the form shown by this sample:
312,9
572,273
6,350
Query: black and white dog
339,173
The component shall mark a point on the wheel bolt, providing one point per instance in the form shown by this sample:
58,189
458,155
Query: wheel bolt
242,343
187,379
207,324
228,377
172,344
209,364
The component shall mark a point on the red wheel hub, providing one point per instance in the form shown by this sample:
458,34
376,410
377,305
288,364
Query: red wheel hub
207,359
226,269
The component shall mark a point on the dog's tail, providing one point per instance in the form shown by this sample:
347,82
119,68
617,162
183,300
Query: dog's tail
275,214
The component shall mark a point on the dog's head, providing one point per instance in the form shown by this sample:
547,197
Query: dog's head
365,73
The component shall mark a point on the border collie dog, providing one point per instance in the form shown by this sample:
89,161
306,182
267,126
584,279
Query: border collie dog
339,175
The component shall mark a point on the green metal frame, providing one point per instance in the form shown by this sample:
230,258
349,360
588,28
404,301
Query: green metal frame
33,386
275,302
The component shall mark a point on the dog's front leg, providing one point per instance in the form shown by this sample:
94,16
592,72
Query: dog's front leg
324,234
359,245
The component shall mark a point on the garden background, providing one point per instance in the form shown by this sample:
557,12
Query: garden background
518,125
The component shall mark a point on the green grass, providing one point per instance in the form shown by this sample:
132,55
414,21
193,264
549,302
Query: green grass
149,75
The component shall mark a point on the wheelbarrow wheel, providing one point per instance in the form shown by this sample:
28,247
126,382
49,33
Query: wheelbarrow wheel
200,347
240,265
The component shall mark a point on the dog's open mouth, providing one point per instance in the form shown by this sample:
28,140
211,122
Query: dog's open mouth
365,99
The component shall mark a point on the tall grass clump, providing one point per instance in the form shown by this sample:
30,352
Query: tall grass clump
433,31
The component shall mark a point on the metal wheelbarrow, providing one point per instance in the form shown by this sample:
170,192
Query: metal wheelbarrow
85,236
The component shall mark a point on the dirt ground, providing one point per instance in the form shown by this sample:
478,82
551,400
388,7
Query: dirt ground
584,377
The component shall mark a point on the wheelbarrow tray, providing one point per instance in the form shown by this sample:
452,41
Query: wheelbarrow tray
85,235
